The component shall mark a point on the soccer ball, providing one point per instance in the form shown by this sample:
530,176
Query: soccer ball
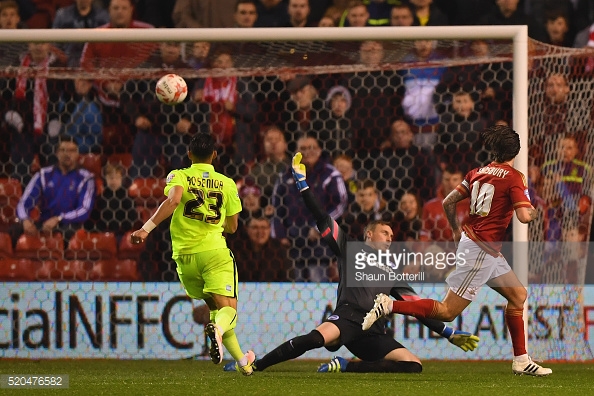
171,89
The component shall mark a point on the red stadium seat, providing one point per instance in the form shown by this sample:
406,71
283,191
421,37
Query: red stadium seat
65,270
5,245
12,270
10,194
115,271
147,192
127,250
85,245
91,162
40,247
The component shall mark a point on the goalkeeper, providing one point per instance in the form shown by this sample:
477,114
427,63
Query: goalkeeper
378,351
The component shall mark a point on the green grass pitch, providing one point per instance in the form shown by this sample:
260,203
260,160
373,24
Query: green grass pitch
188,377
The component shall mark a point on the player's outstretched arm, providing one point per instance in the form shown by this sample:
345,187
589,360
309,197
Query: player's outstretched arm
164,210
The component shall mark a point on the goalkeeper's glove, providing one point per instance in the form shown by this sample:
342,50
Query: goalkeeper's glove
298,170
464,340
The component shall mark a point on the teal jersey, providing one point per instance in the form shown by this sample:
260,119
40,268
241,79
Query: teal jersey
208,198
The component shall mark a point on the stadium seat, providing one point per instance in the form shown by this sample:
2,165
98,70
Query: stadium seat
40,246
127,250
91,162
85,245
147,192
5,245
115,271
123,159
65,270
12,270
10,194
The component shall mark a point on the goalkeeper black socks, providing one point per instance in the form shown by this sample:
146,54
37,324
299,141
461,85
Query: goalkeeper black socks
383,366
291,349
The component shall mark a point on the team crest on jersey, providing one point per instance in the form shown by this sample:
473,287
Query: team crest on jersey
205,175
170,177
333,317
228,287
527,194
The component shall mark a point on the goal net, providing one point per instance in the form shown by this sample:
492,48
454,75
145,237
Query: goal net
397,113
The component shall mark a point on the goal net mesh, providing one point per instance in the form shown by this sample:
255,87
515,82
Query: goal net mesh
401,116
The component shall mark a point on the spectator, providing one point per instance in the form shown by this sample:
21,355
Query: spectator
420,83
30,117
326,21
119,55
435,224
459,141
114,210
368,206
564,186
251,200
293,222
304,112
399,165
262,258
156,12
407,222
199,54
428,14
344,164
83,14
272,13
508,13
63,193
403,15
274,162
356,15
298,11
337,134
245,14
371,53
203,13
81,117
558,28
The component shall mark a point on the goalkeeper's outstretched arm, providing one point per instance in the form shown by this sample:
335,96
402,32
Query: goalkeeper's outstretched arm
329,229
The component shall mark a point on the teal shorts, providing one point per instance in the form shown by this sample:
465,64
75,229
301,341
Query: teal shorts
206,273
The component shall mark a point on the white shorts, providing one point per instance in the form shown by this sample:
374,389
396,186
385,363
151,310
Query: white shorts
479,267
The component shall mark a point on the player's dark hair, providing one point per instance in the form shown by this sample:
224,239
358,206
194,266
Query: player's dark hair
374,223
502,141
202,145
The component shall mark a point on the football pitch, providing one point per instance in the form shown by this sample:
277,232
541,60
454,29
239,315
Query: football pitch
189,377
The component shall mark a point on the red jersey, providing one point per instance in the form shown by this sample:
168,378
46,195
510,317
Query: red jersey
495,191
435,223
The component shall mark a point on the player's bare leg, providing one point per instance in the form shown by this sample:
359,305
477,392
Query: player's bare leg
515,293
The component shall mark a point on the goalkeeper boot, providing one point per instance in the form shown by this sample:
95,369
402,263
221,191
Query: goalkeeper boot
528,367
381,307
216,342
336,365
464,340
249,368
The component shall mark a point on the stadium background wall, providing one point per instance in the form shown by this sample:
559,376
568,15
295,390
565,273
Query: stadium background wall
154,320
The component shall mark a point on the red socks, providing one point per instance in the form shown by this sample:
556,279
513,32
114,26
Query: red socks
424,308
515,324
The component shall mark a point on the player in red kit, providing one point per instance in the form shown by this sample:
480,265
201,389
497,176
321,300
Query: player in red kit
495,191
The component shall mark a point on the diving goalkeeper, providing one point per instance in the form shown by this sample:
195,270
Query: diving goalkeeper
378,351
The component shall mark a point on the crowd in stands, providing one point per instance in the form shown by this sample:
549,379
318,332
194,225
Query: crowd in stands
89,157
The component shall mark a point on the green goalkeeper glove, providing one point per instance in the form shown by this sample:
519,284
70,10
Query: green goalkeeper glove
464,340
298,170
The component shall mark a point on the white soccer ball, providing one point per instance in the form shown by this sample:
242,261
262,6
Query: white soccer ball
171,89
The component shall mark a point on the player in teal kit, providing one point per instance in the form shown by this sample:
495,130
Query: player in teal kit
204,204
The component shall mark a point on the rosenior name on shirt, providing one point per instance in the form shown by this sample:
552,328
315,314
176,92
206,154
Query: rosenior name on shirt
206,183
493,171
